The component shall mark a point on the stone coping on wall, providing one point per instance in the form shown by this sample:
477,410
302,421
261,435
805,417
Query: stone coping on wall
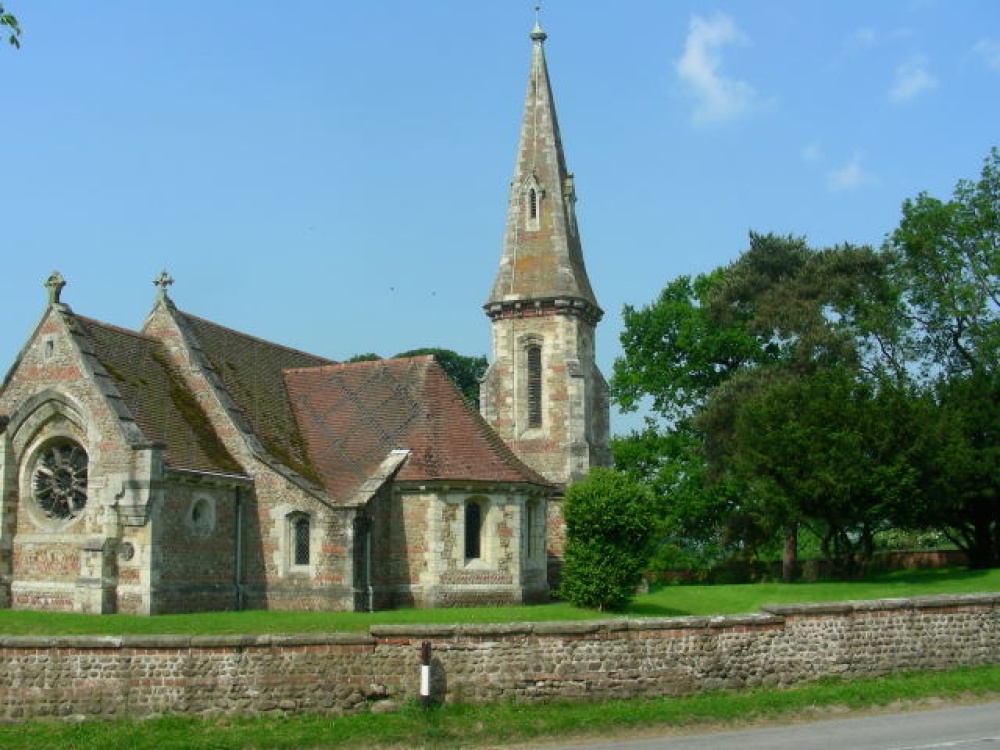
944,601
772,615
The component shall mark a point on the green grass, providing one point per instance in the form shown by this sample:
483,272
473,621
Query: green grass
455,726
667,601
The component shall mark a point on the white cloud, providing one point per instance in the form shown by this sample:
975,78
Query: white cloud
717,97
912,80
988,50
851,176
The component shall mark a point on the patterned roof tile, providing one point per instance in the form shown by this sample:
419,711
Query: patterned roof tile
352,415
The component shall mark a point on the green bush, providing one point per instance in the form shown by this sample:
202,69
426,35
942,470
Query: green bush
610,518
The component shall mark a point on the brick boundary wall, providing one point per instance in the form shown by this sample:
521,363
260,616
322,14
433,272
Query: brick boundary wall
140,676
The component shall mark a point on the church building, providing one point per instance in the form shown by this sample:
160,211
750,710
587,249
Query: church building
189,467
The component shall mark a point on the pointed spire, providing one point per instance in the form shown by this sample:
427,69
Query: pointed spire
542,260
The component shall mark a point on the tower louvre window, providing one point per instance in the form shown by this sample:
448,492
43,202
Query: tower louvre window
532,204
534,355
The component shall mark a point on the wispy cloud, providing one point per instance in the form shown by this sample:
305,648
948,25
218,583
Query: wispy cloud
717,97
862,38
811,153
851,176
988,50
912,80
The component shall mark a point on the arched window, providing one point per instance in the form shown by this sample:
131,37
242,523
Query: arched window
534,382
299,531
473,530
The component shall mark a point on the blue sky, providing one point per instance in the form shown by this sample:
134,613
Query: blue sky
333,176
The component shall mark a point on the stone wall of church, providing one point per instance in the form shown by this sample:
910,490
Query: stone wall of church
51,562
193,565
212,676
269,577
420,549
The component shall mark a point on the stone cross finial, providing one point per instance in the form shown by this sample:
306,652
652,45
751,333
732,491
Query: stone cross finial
536,33
163,281
55,284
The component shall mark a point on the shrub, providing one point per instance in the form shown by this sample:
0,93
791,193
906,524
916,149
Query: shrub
609,528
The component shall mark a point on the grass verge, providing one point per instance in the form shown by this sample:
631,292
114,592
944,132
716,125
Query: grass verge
465,726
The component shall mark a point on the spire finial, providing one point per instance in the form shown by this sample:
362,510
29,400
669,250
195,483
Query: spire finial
536,33
163,281
55,284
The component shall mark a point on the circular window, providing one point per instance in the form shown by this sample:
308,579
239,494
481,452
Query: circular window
59,480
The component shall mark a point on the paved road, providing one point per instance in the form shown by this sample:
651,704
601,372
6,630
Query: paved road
957,728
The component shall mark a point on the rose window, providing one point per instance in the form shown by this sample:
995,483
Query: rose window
60,480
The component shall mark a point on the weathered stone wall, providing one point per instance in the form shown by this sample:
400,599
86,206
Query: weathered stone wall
105,677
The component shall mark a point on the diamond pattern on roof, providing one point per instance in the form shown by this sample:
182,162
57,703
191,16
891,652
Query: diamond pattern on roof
352,415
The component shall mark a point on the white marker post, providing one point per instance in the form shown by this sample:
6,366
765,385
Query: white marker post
425,675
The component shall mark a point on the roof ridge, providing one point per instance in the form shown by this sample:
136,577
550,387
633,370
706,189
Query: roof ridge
116,328
252,337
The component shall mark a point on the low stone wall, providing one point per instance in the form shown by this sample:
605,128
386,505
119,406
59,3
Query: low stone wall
137,676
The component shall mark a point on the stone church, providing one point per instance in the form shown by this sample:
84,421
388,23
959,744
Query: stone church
189,467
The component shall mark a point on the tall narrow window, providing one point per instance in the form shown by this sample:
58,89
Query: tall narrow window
300,540
529,527
473,530
532,204
534,354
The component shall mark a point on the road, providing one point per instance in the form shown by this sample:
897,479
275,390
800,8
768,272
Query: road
955,728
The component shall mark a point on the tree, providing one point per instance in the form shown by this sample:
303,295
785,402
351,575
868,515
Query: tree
677,349
12,26
698,524
946,268
725,357
609,526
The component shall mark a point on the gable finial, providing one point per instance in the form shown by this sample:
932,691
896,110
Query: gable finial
163,281
55,284
536,33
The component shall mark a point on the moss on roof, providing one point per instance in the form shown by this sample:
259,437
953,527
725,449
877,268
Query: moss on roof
157,398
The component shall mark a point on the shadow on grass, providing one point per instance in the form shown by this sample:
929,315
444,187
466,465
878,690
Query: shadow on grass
927,575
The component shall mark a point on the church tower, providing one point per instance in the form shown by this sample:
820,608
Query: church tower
543,392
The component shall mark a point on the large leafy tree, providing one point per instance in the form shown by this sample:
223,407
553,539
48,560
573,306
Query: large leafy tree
946,268
841,389
724,359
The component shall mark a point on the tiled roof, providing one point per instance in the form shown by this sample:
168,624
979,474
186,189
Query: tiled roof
250,370
164,410
353,415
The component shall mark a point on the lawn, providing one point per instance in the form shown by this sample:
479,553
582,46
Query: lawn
666,601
